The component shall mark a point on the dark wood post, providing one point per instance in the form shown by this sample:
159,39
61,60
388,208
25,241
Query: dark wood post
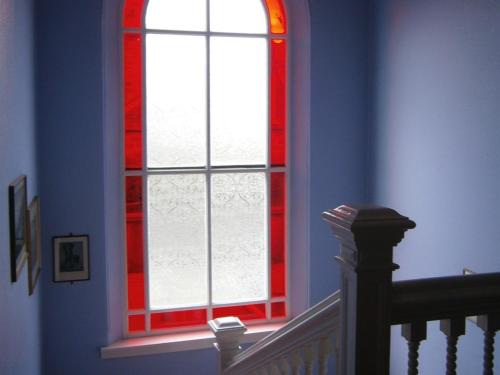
367,236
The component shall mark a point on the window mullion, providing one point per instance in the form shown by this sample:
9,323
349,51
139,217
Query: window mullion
208,175
268,183
145,185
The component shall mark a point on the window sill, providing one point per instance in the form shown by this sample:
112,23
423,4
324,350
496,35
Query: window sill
178,342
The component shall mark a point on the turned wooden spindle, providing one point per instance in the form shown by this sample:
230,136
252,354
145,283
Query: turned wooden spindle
489,324
414,333
309,356
324,352
453,329
296,361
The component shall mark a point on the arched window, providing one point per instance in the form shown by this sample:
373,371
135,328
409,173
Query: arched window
205,119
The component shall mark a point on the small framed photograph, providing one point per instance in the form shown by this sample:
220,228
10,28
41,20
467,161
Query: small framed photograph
17,223
34,244
71,258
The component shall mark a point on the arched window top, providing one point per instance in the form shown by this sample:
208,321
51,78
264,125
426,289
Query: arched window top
240,16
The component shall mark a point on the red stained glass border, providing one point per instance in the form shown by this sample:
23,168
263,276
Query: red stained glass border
132,13
185,318
244,312
133,99
136,323
278,310
277,18
278,101
135,245
278,234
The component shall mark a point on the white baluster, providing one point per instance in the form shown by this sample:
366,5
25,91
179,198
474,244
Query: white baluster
309,357
325,349
337,357
296,363
274,369
284,366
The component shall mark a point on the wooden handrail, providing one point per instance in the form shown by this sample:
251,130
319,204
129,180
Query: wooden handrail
319,321
359,316
445,297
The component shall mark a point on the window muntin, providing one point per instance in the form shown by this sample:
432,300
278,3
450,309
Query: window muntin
261,300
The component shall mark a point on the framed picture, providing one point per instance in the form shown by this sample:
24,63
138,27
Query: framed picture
34,244
17,223
71,258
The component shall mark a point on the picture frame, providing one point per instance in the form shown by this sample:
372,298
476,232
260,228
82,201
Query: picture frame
71,258
17,224
34,244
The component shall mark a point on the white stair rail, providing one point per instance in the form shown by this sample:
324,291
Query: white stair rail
306,342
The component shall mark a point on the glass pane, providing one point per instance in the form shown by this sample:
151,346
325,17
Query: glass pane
177,15
245,313
136,323
177,241
278,274
239,237
238,16
276,16
178,319
239,92
132,75
135,252
176,100
132,13
278,101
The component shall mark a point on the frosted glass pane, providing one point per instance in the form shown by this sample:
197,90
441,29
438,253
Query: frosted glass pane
176,100
177,242
239,237
239,95
189,15
239,16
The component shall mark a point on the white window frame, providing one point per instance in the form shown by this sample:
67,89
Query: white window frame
298,179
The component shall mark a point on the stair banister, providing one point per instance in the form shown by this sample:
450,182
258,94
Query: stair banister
367,236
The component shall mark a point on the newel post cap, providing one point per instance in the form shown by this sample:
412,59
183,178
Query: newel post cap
227,326
346,220
228,333
367,234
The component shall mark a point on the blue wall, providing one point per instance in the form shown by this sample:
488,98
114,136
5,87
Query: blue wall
72,163
19,313
340,103
438,155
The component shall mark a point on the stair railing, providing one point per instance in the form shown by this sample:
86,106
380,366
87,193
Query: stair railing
354,323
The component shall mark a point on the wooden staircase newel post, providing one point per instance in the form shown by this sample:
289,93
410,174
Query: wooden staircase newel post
367,236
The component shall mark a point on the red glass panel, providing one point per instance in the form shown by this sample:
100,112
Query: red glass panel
132,13
276,16
178,319
136,323
278,209
132,70
278,101
135,247
278,310
245,312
